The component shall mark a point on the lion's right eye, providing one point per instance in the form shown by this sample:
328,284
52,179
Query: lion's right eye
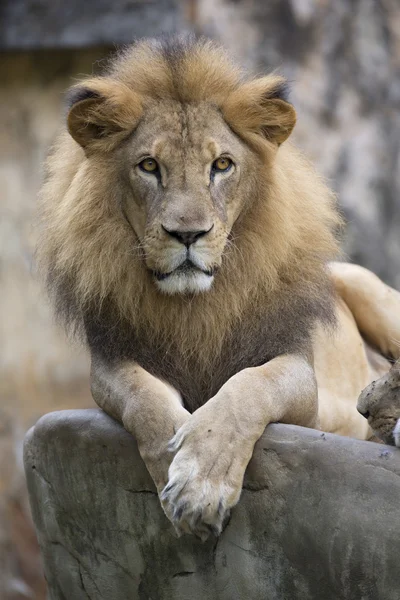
222,164
149,165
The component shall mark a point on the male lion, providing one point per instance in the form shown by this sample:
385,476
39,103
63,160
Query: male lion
190,244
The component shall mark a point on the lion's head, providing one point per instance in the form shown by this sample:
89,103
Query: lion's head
173,200
183,154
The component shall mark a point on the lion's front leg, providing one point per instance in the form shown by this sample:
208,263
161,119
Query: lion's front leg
214,446
148,408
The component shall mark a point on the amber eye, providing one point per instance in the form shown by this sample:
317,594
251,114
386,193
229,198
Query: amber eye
223,163
149,165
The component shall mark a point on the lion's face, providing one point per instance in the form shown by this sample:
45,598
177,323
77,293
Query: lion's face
187,138
189,175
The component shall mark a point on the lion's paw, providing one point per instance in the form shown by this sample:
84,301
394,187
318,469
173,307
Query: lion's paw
205,480
379,402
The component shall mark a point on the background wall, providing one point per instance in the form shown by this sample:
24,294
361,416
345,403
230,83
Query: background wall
343,61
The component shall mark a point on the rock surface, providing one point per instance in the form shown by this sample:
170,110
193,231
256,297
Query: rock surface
319,518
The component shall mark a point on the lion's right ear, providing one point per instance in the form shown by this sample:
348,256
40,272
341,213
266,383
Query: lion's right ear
102,112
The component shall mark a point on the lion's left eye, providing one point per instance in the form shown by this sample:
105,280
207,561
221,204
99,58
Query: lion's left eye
149,165
222,164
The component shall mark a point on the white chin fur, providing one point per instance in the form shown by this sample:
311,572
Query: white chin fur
396,433
185,283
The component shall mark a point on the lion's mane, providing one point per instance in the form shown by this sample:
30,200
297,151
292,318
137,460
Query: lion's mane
273,278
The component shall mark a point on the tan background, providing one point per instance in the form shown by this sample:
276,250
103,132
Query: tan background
343,59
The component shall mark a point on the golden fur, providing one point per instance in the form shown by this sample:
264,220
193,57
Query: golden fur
88,250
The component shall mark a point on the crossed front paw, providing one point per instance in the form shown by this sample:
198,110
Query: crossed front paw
205,477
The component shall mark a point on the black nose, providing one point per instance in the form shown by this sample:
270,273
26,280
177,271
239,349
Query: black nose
364,414
187,237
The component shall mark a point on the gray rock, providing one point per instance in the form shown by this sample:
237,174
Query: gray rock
319,518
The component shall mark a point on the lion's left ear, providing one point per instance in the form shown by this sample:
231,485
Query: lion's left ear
260,106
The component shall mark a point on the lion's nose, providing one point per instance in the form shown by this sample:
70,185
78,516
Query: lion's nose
187,237
364,413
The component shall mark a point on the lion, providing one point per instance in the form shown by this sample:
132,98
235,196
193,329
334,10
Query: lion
194,249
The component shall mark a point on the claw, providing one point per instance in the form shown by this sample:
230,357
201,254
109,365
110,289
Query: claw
179,532
226,519
196,518
178,512
215,529
168,488
202,533
220,509
171,447
176,442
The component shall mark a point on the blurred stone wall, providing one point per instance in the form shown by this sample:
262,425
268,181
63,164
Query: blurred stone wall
39,371
343,61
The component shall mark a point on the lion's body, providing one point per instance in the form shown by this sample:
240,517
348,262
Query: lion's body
347,362
344,366
257,286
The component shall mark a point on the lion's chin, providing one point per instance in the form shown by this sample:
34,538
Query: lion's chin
186,282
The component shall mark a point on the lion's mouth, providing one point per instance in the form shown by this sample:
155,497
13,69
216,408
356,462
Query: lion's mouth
185,268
